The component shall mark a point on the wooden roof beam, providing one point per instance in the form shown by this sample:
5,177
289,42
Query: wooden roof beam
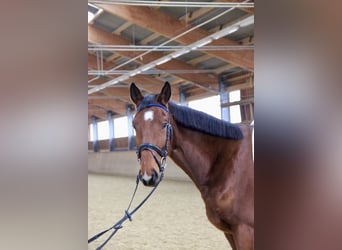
170,27
199,59
102,37
248,10
148,83
122,28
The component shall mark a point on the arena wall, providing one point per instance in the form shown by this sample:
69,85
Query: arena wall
124,163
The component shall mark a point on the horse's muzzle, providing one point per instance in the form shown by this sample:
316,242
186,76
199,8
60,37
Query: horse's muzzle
151,181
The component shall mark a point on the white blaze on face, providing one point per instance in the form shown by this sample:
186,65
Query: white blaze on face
148,115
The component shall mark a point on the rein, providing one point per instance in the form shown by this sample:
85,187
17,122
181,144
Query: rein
127,215
161,165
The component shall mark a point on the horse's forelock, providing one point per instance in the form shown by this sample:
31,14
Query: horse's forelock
149,99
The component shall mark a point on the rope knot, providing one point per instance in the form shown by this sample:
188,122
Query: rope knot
128,215
117,227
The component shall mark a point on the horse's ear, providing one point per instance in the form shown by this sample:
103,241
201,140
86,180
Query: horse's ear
165,94
135,94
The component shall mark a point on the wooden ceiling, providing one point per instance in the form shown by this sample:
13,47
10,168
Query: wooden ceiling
118,32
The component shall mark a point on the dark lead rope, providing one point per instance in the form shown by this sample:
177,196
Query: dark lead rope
128,215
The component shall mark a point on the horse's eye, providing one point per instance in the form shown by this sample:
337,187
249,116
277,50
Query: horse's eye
164,125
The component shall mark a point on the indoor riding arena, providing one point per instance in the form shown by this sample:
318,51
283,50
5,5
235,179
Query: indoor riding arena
196,54
173,218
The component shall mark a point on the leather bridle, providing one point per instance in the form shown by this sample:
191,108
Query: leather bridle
162,152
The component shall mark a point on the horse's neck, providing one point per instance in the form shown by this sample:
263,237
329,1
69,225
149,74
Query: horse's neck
190,152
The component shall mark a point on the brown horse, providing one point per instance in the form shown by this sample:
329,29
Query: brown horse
215,154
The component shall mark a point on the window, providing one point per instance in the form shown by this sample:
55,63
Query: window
235,114
210,105
120,127
234,110
102,131
90,134
234,96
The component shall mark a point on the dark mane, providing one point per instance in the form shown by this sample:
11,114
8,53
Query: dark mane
197,120
203,122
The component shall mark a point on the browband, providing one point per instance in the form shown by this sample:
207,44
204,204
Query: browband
153,105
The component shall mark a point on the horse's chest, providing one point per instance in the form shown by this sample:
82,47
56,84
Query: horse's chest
220,210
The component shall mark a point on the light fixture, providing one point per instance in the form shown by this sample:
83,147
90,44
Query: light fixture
93,12
180,52
201,43
90,16
123,78
247,21
100,87
225,32
146,67
163,60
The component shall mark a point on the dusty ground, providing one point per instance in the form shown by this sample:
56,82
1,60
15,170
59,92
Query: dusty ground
173,218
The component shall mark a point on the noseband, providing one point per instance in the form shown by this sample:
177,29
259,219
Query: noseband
152,147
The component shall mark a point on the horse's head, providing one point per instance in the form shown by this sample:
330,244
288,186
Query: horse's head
153,132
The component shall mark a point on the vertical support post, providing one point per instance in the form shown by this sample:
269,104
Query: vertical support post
131,141
224,99
96,145
251,111
245,116
111,131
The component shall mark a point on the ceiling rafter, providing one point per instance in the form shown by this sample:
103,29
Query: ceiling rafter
113,57
150,38
122,28
153,85
187,73
93,64
138,78
247,41
195,14
98,36
202,11
170,26
199,59
248,10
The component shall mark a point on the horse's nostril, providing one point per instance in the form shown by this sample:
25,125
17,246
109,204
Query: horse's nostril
144,182
149,180
154,176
